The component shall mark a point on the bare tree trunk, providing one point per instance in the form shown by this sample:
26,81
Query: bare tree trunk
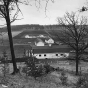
15,70
77,62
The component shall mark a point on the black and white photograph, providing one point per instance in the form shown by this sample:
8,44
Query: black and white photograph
43,43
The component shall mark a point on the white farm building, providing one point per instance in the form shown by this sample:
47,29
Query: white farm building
50,52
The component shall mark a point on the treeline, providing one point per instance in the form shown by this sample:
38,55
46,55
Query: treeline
29,27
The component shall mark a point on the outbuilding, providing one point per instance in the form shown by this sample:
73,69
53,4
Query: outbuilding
50,52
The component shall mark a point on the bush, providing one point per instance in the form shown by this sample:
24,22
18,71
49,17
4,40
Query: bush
5,69
48,68
37,72
57,69
41,69
25,70
63,78
30,62
31,69
81,82
34,72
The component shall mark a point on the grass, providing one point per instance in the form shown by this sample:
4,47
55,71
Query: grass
50,80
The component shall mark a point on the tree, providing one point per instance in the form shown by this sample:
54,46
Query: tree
73,32
6,9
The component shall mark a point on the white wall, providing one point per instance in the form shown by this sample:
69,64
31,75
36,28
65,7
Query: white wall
39,44
51,55
49,41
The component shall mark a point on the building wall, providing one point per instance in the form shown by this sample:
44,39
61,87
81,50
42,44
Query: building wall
39,44
49,41
51,55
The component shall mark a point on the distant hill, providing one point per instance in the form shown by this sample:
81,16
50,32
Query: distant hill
22,27
26,28
30,27
33,27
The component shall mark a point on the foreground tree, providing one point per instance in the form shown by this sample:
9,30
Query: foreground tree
73,33
6,7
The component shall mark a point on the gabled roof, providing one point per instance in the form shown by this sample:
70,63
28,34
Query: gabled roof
22,41
38,40
30,33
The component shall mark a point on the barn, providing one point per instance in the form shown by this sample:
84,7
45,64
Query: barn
50,52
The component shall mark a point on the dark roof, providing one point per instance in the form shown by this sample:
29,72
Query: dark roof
31,33
16,46
26,40
43,39
52,49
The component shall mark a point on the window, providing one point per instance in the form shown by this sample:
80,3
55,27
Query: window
61,54
39,55
44,54
56,54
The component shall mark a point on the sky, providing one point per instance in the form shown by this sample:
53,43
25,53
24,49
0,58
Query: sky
34,15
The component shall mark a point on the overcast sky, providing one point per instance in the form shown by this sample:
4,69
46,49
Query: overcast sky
33,15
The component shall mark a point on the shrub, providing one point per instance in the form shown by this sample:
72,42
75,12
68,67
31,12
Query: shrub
5,68
25,70
37,72
48,68
81,82
30,65
57,69
41,69
63,78
30,62
32,70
